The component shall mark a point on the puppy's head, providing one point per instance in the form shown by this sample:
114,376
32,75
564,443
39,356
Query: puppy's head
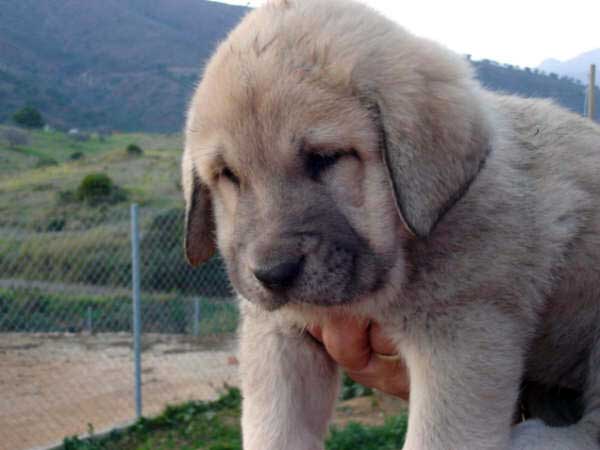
320,137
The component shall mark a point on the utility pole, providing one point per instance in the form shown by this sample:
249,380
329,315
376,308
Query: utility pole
591,112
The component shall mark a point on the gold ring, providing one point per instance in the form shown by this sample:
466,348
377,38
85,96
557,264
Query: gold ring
388,357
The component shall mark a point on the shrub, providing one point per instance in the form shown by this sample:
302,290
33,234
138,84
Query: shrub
134,150
28,117
76,156
95,185
97,188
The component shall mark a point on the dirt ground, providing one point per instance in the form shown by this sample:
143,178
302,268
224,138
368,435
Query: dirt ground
52,386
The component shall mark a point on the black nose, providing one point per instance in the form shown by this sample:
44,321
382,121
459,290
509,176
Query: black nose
281,275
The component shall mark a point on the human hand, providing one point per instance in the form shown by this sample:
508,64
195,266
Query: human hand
367,356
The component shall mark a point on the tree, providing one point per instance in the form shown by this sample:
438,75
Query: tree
134,150
15,138
28,117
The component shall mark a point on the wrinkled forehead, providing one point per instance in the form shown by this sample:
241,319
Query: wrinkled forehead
265,125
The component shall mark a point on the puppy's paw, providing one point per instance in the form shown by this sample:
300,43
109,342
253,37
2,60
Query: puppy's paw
535,435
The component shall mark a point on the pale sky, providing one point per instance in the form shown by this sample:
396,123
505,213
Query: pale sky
518,32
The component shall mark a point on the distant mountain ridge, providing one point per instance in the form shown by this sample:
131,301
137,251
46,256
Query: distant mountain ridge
125,64
132,64
577,67
568,92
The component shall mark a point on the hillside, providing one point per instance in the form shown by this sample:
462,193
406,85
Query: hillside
125,64
34,177
54,239
132,64
568,92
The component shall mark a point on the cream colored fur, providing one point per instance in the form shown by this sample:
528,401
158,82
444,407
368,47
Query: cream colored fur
466,223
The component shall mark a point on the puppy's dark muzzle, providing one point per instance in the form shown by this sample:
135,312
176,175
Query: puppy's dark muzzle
280,276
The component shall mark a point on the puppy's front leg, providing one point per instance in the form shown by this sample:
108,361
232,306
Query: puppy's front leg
464,381
289,385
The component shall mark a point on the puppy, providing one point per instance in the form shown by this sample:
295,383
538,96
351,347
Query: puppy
341,164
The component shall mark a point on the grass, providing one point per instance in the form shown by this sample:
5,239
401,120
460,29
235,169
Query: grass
33,176
215,426
60,146
67,311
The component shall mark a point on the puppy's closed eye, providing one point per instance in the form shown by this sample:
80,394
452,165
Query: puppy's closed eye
317,164
227,173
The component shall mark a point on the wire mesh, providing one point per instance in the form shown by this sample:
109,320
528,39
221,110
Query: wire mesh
66,360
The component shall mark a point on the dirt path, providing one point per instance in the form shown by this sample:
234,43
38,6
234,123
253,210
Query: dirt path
52,386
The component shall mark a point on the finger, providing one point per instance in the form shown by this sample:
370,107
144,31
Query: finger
379,342
389,376
346,340
315,331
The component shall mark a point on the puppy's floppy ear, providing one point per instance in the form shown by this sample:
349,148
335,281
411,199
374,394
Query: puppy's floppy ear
433,148
199,221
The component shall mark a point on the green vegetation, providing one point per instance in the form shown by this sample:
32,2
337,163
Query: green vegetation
97,253
98,188
528,82
66,310
389,436
134,150
55,228
193,425
28,117
32,177
215,426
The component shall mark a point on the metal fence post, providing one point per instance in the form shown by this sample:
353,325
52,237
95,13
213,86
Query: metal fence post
137,320
196,324
591,103
89,324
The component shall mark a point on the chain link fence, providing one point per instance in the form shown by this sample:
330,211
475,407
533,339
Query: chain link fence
66,314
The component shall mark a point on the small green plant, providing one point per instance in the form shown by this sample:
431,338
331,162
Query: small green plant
75,156
97,188
134,150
